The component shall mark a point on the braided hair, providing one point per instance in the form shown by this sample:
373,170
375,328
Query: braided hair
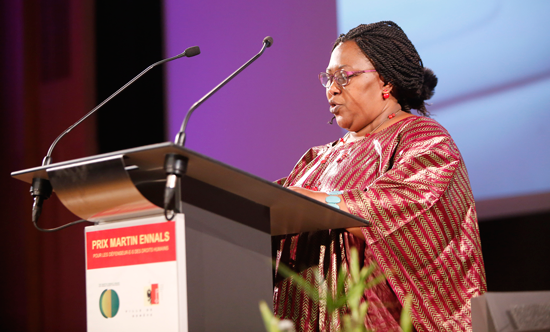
397,61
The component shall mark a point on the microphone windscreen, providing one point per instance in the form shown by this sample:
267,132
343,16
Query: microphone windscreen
192,51
268,41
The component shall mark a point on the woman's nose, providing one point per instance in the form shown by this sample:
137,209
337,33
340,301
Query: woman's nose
333,88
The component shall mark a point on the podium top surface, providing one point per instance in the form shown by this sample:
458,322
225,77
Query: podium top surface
290,212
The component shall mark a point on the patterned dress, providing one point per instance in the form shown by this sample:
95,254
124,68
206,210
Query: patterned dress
410,182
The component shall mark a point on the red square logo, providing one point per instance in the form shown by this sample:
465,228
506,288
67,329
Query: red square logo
155,294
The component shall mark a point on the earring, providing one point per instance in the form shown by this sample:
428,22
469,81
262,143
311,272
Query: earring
385,94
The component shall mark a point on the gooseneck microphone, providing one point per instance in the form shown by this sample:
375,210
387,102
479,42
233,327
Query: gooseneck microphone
175,165
41,189
180,137
190,52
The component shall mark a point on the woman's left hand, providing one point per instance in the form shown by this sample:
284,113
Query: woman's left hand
321,196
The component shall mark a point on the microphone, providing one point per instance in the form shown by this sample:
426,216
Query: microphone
190,52
180,137
332,119
175,165
268,41
41,189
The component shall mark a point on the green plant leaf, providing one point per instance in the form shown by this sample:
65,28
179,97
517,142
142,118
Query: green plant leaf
309,289
406,322
350,288
375,281
270,321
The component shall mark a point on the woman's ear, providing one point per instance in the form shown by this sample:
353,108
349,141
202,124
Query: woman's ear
383,85
387,87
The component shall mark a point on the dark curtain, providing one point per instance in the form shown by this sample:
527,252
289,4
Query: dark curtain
47,82
52,74
129,38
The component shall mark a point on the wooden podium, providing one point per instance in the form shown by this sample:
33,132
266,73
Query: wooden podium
213,259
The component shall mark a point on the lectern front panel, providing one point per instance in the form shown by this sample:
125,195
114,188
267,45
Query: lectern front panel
228,272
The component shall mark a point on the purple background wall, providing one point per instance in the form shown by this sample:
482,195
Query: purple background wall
267,117
252,123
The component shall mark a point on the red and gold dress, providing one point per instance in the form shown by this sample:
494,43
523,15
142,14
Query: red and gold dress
410,182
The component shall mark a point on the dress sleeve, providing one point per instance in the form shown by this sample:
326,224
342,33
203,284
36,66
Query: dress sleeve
421,169
302,166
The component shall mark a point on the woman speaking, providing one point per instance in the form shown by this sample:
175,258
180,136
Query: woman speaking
401,172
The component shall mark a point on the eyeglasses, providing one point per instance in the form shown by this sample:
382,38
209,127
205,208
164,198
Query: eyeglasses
342,77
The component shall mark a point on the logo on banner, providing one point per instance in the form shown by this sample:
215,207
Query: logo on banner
152,295
109,303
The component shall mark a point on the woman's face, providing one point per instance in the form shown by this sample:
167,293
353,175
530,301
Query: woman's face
358,103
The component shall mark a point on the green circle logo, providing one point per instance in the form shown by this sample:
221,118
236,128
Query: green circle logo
109,303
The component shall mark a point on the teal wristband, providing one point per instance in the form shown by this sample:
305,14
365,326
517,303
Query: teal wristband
334,205
332,199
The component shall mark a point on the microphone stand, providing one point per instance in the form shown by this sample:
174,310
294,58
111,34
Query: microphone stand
175,165
180,137
41,189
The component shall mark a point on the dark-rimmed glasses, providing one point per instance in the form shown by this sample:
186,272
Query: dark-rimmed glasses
342,77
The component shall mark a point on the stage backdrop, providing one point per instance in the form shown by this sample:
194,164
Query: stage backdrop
490,57
269,115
